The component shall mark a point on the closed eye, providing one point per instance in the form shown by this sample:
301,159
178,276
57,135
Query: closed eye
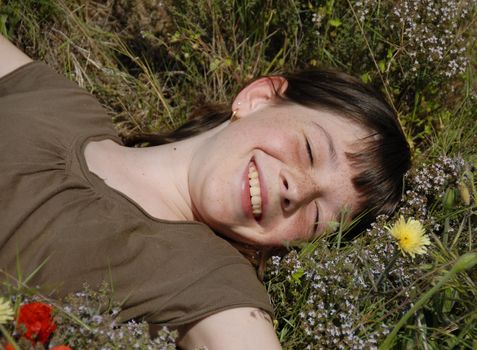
308,149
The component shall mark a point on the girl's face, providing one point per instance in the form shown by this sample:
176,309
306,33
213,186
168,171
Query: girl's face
277,175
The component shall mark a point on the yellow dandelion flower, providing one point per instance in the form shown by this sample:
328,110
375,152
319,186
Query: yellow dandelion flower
410,236
6,311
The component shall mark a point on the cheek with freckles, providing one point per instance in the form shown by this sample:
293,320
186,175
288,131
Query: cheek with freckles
289,231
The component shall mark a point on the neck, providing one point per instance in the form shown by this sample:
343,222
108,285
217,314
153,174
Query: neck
155,177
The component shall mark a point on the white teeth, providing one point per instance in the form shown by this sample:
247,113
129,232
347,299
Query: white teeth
256,200
255,191
254,182
255,195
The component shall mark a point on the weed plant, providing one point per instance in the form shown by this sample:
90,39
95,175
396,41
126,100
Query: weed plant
151,62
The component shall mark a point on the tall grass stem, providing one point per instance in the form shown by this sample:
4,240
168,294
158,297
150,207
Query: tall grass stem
465,262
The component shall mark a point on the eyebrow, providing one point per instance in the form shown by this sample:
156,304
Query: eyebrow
329,141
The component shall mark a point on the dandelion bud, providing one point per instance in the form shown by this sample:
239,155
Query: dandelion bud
465,262
464,193
449,198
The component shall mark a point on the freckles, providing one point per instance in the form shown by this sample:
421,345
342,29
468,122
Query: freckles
346,195
288,144
296,230
291,239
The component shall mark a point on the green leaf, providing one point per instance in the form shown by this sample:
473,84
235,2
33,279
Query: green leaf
3,25
297,275
335,22
366,78
390,53
215,64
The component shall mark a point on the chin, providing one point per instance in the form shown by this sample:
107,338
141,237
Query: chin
250,236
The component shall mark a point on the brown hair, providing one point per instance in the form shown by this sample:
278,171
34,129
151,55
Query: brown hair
381,162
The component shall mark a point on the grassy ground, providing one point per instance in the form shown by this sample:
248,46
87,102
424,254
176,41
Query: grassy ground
149,62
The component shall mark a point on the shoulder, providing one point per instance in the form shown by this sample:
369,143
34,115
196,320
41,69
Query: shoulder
11,58
47,109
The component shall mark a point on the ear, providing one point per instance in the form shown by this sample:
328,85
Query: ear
258,94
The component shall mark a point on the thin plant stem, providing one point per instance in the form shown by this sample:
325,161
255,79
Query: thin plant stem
387,268
465,262
371,53
9,338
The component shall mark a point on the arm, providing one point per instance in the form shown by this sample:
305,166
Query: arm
11,57
235,329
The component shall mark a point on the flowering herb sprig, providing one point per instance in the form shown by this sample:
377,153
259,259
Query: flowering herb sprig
87,319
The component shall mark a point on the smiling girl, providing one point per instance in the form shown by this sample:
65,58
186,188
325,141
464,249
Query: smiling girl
166,224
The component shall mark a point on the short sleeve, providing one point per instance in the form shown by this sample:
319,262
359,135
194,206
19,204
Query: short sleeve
47,110
226,287
33,76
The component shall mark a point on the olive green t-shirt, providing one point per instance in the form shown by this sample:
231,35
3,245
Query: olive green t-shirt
59,218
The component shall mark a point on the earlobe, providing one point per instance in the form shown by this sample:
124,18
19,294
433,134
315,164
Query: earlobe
258,94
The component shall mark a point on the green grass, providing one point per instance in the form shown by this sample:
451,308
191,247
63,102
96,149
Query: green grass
150,75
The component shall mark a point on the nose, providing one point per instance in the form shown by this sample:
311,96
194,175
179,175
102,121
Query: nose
297,189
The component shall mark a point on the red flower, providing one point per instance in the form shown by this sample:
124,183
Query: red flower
61,347
36,317
9,347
